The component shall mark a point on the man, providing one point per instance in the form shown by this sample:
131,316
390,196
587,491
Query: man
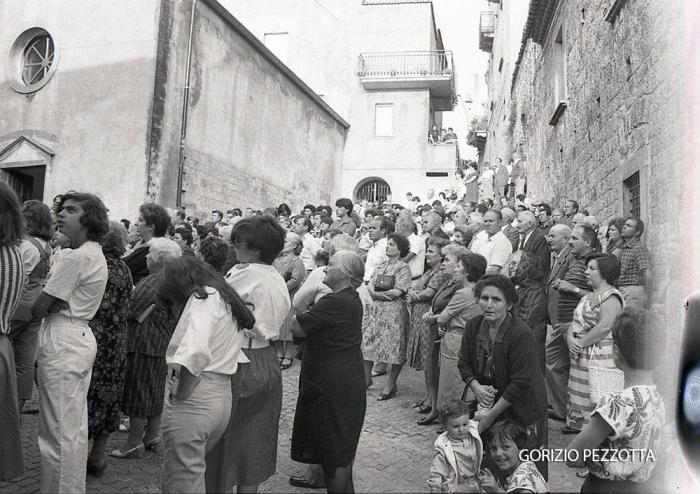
533,242
178,217
508,229
416,257
216,216
492,243
432,222
302,226
576,219
570,209
500,179
430,196
636,275
571,287
344,223
450,137
544,219
558,217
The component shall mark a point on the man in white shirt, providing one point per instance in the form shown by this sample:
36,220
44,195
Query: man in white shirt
416,258
494,245
302,227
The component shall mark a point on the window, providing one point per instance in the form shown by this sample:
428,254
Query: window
278,44
384,119
558,75
37,59
375,190
632,195
33,60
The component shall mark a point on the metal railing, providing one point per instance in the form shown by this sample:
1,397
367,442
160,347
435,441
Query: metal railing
405,64
487,22
390,2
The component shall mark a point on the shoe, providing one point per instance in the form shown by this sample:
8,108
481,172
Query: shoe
569,430
551,415
300,481
582,475
378,373
136,452
418,404
96,467
152,444
427,421
125,425
389,395
425,409
284,366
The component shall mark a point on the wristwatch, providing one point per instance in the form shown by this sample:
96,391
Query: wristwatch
577,290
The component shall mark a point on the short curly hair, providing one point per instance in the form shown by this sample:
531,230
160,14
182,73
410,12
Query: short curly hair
114,241
156,216
499,282
402,243
453,409
474,265
214,251
94,217
261,233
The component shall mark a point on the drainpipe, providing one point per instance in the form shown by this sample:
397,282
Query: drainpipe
185,106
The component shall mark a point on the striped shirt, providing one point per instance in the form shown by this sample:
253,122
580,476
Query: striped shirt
576,275
12,279
634,258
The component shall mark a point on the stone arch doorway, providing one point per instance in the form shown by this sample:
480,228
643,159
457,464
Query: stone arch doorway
372,189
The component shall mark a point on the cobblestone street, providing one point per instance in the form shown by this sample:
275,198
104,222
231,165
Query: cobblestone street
394,454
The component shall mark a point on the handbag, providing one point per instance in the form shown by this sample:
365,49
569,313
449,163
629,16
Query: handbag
384,282
603,380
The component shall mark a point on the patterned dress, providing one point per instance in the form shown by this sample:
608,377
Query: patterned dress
418,344
110,329
294,273
586,316
385,338
526,478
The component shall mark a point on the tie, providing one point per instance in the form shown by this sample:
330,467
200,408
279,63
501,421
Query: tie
522,242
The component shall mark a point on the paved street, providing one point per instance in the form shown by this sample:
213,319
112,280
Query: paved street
394,454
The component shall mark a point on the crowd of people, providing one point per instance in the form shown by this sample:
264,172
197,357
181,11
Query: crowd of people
184,326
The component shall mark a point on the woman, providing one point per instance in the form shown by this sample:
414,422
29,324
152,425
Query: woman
293,271
614,237
36,253
486,182
150,329
11,281
204,353
470,181
384,340
525,272
246,455
153,222
332,398
590,329
462,234
418,348
110,329
183,238
498,363
66,347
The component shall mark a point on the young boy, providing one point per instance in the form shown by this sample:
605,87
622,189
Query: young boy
505,440
458,452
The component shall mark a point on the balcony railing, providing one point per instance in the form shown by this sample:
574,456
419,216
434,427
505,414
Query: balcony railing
390,2
487,28
413,64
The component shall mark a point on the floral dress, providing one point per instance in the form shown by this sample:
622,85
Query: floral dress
526,478
418,344
386,335
292,269
586,316
110,329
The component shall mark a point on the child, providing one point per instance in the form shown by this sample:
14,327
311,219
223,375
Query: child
505,440
458,451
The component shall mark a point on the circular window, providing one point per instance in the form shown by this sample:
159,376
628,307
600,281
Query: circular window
33,60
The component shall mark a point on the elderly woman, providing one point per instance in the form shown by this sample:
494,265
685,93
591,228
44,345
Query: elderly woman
292,270
246,455
36,253
11,281
419,347
153,222
384,339
498,363
463,234
332,397
150,329
589,330
525,272
110,329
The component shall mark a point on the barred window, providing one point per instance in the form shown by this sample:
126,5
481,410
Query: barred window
633,196
374,191
37,59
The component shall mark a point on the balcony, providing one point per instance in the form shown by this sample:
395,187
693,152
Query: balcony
432,70
487,29
391,2
441,158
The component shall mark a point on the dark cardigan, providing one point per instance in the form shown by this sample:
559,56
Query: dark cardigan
518,377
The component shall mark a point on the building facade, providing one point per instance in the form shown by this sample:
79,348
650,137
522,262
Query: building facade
168,101
382,65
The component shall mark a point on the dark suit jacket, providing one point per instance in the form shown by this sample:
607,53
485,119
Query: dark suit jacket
513,235
537,246
558,271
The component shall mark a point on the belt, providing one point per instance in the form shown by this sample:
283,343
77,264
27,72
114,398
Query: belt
631,285
254,344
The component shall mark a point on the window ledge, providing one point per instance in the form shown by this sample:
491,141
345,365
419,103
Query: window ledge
615,9
558,113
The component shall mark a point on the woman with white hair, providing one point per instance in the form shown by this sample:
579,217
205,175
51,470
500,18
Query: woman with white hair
332,397
150,328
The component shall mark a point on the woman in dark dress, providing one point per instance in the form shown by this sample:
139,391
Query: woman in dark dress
332,396
110,330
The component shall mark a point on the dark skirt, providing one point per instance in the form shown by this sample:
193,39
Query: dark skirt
144,385
11,457
107,384
247,452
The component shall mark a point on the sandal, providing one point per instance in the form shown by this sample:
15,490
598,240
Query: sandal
284,366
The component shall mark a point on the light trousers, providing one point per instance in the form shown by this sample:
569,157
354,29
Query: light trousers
191,427
635,296
65,353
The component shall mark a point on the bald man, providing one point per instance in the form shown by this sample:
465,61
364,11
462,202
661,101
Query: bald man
533,241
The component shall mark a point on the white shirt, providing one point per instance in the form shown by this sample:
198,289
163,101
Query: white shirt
375,256
79,278
312,290
524,240
495,249
264,291
206,338
308,253
417,264
30,254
